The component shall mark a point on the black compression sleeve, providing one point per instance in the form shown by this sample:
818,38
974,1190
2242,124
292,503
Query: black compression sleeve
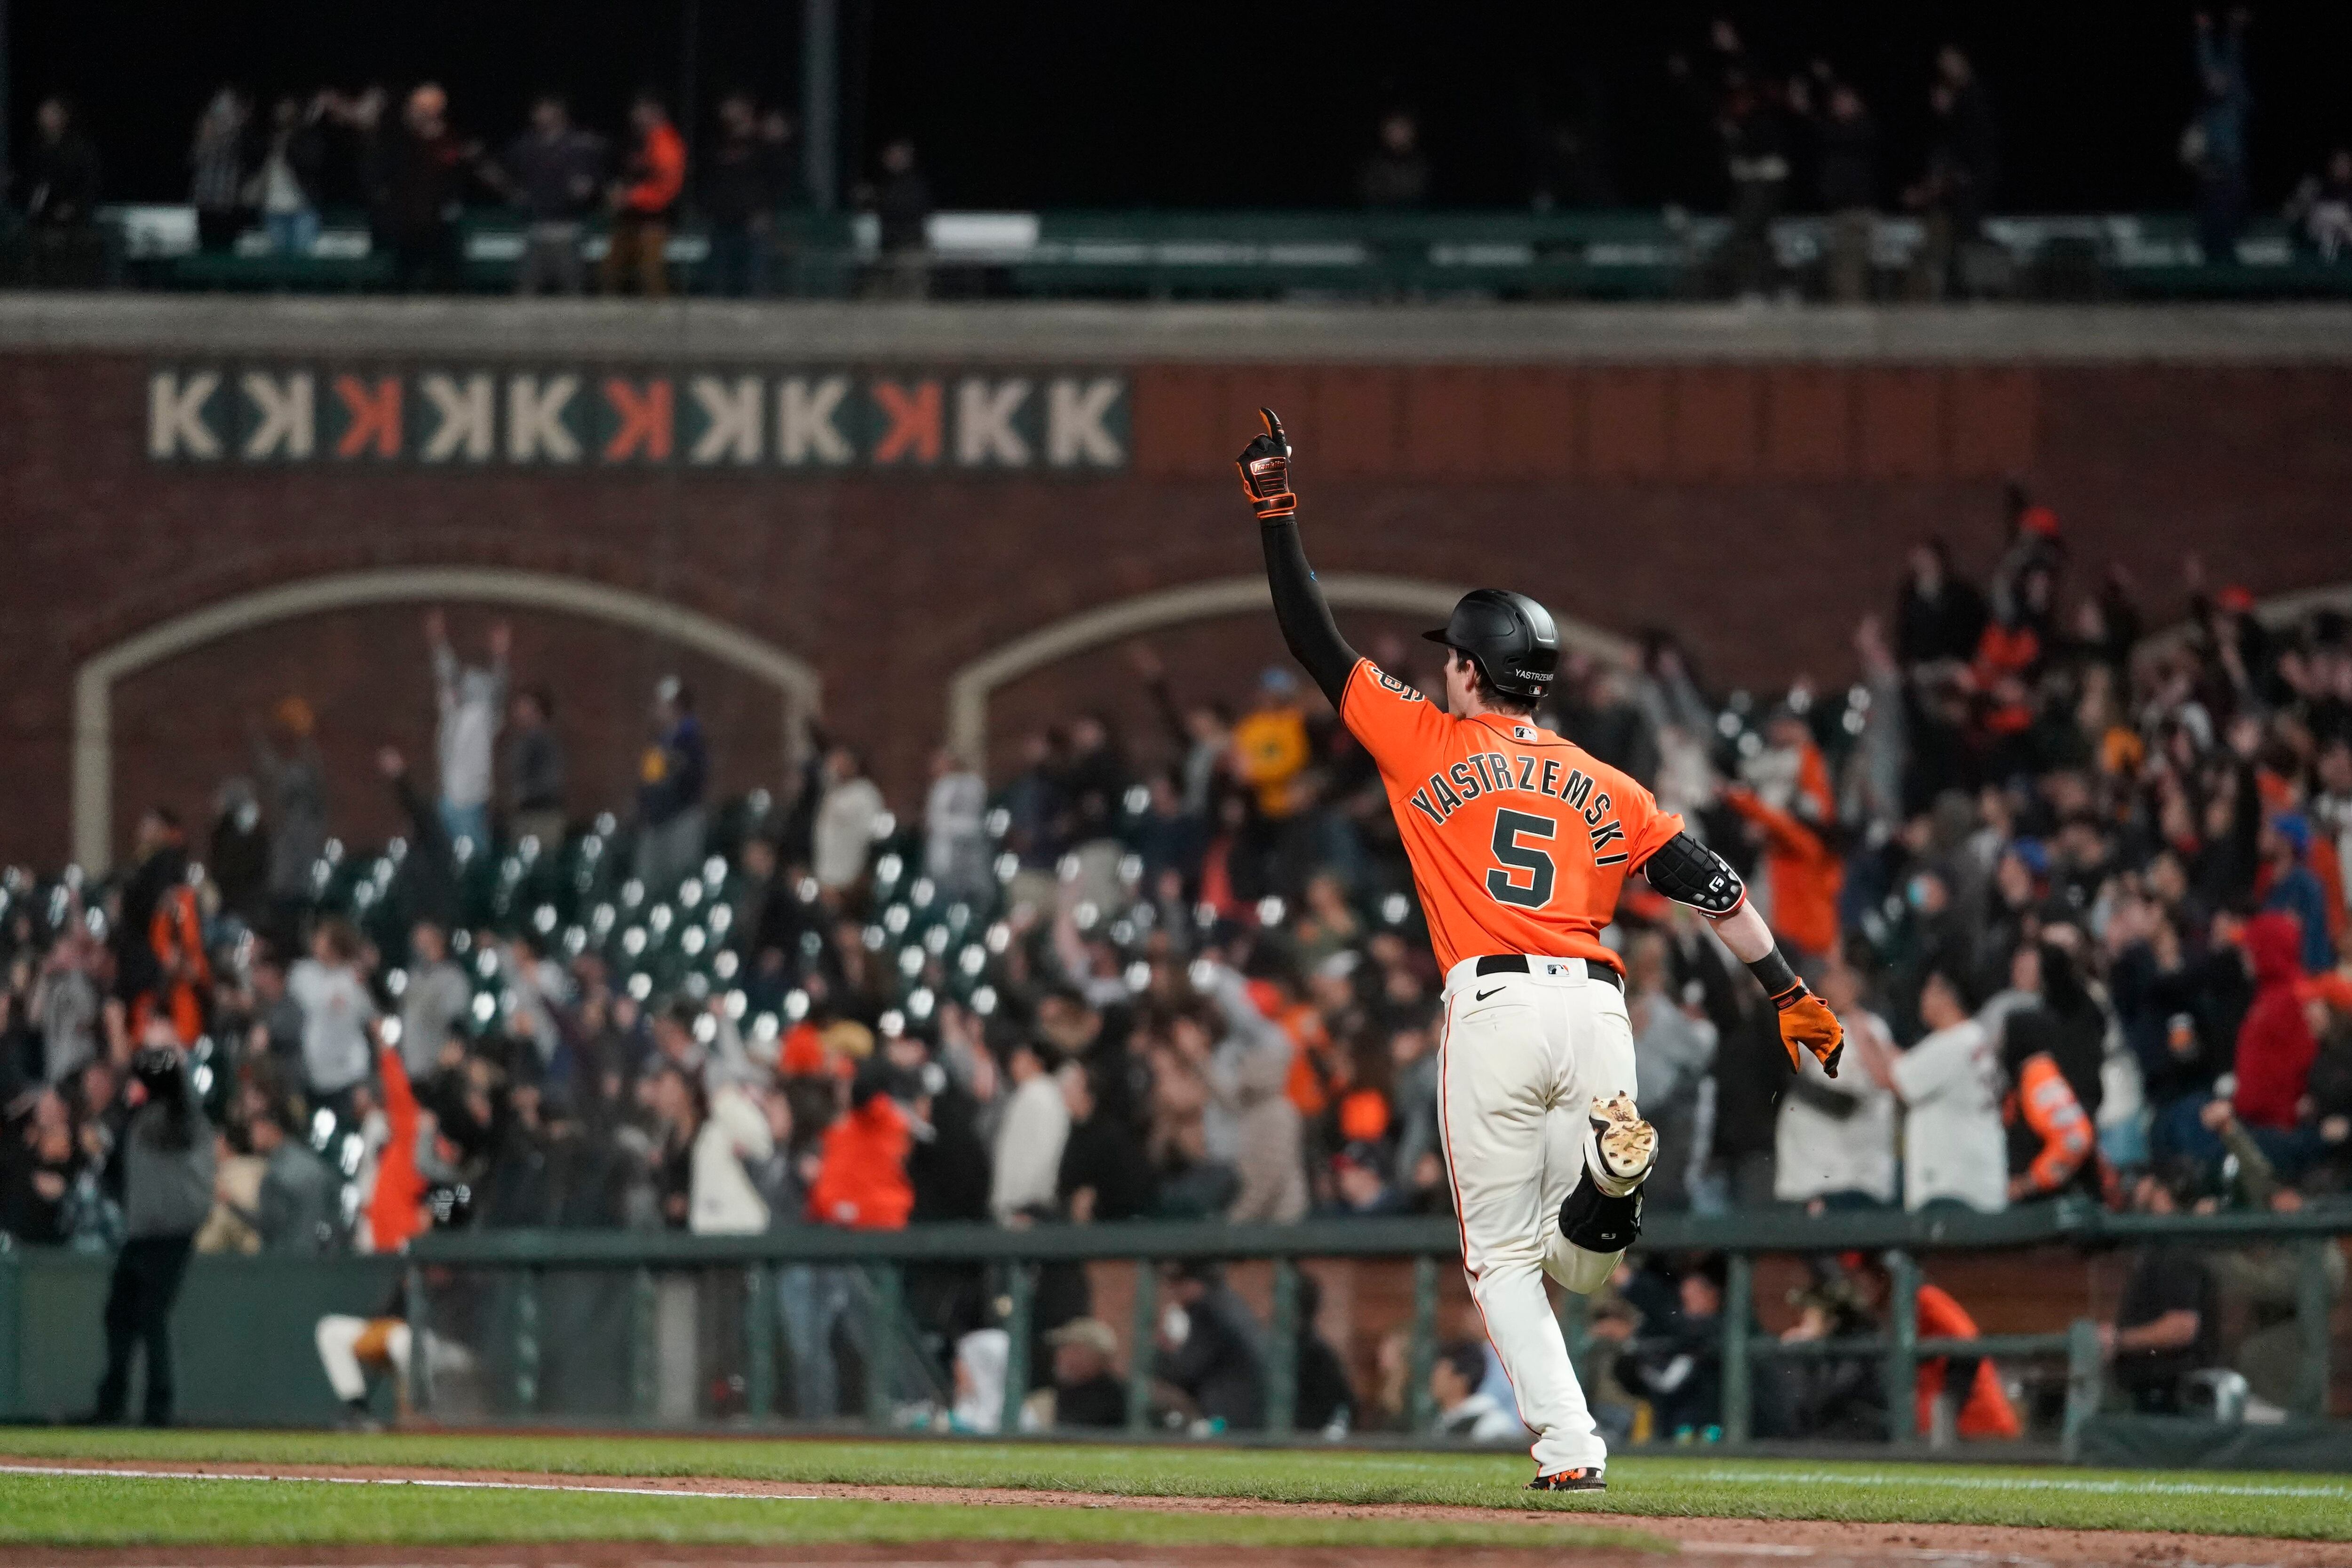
1779,978
1306,620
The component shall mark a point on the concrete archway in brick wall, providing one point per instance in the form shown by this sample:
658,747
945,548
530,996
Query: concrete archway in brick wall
797,684
970,687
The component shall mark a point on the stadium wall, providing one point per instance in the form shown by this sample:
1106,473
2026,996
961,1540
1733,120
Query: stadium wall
1749,480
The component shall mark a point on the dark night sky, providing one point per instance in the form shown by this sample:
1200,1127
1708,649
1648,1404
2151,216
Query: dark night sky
1112,105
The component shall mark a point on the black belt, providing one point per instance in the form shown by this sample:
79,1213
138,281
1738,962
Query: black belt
1516,963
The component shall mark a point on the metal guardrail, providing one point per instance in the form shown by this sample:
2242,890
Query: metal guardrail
884,1255
1617,254
522,1323
1748,1231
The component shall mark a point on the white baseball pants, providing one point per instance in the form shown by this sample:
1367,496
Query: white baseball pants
338,1337
1523,1059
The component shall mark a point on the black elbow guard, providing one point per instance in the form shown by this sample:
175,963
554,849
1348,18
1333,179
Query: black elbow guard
1688,872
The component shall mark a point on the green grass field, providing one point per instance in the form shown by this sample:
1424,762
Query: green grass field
89,1511
35,1509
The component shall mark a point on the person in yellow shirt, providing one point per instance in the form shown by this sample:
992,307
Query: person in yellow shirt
1270,747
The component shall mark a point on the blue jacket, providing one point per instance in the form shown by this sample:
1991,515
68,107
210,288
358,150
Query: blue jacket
2299,894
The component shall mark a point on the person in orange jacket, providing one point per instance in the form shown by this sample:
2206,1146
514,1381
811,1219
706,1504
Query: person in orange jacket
643,202
1803,875
160,947
861,1179
2049,1133
1986,1413
2006,656
176,932
395,1208
1308,1084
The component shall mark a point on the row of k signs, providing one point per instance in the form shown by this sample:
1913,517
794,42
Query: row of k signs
717,420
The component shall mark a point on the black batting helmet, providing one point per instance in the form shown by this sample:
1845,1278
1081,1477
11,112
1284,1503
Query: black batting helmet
1509,635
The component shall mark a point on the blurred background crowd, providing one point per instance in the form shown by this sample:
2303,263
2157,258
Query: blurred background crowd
1747,124
2076,890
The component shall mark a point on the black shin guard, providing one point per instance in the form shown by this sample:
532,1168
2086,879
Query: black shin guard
1596,1222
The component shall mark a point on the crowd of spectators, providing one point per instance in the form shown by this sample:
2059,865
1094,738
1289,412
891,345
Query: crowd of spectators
1752,137
1760,138
2077,894
1764,138
259,184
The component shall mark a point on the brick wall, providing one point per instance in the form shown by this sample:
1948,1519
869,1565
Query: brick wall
1758,508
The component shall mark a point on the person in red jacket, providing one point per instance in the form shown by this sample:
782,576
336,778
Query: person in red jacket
2276,1048
861,1179
643,202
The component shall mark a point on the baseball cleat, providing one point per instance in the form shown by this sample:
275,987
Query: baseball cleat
1582,1479
1624,1146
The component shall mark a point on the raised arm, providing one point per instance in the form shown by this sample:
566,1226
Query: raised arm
400,1107
445,659
1163,696
501,644
1690,873
1298,605
1264,1063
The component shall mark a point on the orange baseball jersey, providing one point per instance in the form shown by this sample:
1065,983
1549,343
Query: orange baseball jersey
1519,840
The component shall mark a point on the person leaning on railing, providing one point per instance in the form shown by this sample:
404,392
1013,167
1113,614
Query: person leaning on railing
2266,1278
550,172
2168,1323
643,201
743,183
901,204
417,172
60,186
1980,1408
1212,1351
1675,1363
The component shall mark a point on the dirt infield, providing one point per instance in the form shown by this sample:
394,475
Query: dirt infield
1816,1544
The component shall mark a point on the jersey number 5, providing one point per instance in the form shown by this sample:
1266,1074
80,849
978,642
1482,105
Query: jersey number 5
1509,825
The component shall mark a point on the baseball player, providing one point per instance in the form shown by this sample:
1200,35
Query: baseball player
1520,842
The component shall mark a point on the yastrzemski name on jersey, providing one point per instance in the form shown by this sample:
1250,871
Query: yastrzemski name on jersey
1496,772
1519,839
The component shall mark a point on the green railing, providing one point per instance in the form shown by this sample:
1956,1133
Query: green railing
1616,254
1430,1245
522,1261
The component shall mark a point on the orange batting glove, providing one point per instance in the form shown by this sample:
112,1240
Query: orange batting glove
1265,463
1806,1020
